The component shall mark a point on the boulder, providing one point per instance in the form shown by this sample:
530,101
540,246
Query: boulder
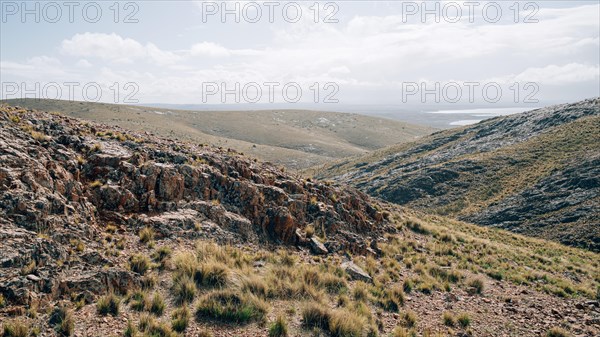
356,272
317,247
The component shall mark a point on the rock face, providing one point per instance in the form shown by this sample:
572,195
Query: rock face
64,182
535,173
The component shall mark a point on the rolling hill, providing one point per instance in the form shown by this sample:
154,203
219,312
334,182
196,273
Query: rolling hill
535,173
293,138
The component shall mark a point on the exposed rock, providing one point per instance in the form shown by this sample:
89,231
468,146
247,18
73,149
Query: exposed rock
355,272
317,247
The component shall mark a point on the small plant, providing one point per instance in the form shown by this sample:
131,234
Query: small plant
131,330
146,234
463,319
180,319
78,245
2,301
40,137
62,321
29,268
476,285
448,319
409,319
310,229
157,304
416,226
557,332
184,289
212,274
15,328
108,304
95,184
393,299
345,323
314,315
231,306
279,328
400,332
359,292
137,300
139,263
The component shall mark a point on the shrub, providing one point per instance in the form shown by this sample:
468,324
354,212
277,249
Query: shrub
344,323
310,229
212,274
137,300
399,332
359,292
409,319
184,289
333,283
464,319
146,234
185,263
231,306
416,226
157,304
448,319
139,263
2,301
255,285
557,332
15,328
130,330
408,285
314,315
62,320
279,328
161,255
392,299
180,319
476,285
108,304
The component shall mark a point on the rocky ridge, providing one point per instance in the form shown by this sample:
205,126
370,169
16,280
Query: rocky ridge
534,173
63,183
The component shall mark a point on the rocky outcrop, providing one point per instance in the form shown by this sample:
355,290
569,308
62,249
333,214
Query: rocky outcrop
64,182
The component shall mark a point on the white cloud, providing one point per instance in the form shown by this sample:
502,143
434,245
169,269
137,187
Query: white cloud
115,48
560,75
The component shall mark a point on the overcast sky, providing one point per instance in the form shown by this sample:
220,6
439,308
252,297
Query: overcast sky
369,52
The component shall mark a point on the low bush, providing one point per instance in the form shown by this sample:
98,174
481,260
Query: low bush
231,306
108,305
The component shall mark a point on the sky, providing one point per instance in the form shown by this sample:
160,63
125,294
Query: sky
452,53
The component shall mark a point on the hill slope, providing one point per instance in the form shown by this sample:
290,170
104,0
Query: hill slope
536,173
294,138
106,232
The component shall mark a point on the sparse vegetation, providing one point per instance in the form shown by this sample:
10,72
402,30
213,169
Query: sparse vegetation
157,304
279,328
108,305
463,319
146,234
139,263
557,332
184,289
62,321
231,306
180,319
15,328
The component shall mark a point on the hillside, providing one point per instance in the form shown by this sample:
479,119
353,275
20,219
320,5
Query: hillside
293,138
535,173
105,231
